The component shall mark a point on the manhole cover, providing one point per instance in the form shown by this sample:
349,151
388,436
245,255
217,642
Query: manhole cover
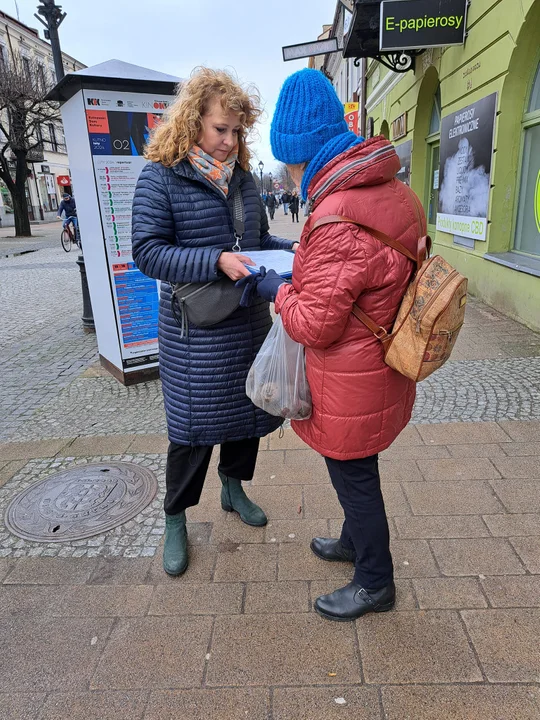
80,502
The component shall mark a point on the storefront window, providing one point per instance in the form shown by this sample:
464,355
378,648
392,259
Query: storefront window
527,238
434,142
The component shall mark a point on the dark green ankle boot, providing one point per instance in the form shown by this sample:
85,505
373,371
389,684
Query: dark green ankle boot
175,554
233,497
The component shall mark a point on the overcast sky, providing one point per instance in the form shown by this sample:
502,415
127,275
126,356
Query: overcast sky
174,36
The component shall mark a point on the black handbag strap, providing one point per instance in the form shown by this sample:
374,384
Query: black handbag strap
238,218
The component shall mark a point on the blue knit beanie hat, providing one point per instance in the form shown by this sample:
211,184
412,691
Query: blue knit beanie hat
308,114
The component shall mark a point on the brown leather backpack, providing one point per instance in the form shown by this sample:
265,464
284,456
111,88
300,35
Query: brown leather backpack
431,313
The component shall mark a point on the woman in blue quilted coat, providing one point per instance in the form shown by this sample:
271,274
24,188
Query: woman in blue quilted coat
183,233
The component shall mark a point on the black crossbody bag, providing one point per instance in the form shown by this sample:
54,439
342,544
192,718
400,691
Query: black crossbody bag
209,303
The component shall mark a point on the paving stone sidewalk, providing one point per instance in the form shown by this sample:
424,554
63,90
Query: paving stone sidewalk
236,637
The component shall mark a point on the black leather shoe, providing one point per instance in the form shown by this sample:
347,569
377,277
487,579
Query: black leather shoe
332,549
353,601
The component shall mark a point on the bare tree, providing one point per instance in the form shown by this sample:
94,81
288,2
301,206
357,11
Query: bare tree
283,176
23,111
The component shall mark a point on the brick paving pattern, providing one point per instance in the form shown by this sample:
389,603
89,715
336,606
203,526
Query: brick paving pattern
95,629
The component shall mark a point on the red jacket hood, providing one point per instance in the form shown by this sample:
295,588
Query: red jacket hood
372,162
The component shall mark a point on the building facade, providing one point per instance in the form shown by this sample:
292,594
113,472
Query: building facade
466,124
50,176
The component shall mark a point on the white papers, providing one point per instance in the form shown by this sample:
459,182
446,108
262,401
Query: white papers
279,260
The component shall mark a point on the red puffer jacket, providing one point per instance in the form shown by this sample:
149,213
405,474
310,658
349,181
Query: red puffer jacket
360,405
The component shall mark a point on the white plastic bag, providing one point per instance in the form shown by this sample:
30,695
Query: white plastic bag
277,380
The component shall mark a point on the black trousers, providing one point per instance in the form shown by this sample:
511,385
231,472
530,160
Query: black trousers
358,486
187,467
294,215
272,213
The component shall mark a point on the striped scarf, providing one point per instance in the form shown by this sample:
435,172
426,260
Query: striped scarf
216,172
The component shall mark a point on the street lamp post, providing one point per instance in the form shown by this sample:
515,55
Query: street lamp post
261,168
270,177
54,17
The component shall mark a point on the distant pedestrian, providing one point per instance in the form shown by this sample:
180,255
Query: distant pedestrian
271,204
294,204
285,199
183,213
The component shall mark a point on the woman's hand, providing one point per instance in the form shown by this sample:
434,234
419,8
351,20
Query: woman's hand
295,246
234,265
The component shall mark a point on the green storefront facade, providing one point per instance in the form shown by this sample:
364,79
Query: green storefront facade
497,67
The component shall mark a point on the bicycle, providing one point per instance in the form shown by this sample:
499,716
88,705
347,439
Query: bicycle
67,236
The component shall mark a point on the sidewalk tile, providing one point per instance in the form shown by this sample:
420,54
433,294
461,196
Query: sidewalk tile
415,452
5,567
231,704
445,526
461,702
40,654
202,560
361,703
32,449
289,441
464,469
405,599
297,562
50,571
519,467
149,444
150,653
465,497
121,571
513,591
296,530
478,451
413,558
95,706
398,470
74,601
522,449
197,599
282,650
9,470
17,706
513,525
481,556
230,529
416,647
528,549
506,642
320,501
277,503
306,461
522,431
242,563
95,445
449,593
409,436
276,597
519,496
462,433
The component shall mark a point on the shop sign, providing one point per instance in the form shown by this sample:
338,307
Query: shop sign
63,180
417,24
45,169
465,169
399,127
351,116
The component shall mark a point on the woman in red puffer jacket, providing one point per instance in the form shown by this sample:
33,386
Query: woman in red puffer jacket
360,405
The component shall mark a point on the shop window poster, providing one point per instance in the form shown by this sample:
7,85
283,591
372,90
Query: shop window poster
465,169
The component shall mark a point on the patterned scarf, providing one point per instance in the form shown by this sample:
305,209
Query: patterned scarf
216,172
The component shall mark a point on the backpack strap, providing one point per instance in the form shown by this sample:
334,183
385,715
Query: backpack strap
424,248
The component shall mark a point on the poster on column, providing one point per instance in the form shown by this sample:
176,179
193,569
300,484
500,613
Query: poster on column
119,125
465,169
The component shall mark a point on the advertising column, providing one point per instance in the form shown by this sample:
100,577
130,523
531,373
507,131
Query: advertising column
118,128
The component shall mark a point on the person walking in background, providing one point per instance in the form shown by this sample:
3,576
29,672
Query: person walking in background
360,405
294,205
285,199
183,233
271,204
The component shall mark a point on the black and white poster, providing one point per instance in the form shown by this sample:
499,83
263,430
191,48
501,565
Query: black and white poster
404,152
465,169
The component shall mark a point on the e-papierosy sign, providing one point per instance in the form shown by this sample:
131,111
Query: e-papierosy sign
417,24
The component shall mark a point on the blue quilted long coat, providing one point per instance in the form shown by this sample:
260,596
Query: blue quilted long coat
181,224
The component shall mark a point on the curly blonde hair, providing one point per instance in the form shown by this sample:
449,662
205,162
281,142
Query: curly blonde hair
181,125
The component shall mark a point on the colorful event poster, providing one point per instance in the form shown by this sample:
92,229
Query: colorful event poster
465,169
119,126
